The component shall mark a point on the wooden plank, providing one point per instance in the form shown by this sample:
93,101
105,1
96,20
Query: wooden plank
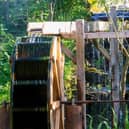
80,59
101,35
68,30
52,28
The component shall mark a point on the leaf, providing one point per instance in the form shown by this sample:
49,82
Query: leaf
115,120
91,121
104,123
92,1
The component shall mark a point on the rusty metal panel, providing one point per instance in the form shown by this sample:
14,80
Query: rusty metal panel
73,116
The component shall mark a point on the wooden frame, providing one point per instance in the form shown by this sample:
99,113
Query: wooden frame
78,32
68,30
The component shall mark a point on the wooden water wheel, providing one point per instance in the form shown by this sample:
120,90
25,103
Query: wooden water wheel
37,84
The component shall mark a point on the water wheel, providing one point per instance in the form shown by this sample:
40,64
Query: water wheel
37,84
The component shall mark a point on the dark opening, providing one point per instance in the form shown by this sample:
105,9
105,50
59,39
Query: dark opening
29,96
31,70
30,120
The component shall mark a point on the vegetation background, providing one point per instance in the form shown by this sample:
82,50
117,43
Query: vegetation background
14,16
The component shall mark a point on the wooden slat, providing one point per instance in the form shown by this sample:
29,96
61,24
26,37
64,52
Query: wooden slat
98,35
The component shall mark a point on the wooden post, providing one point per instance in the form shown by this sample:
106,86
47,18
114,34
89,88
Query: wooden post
80,57
114,48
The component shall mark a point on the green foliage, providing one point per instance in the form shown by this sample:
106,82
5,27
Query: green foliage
101,125
91,122
69,71
115,119
71,10
5,92
38,10
127,118
6,45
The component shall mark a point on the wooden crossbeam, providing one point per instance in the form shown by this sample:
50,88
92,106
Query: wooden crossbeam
52,28
68,30
102,35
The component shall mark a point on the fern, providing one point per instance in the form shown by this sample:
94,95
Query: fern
91,122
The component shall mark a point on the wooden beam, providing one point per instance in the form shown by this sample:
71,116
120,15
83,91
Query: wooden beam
71,35
80,58
102,35
68,30
68,53
52,28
